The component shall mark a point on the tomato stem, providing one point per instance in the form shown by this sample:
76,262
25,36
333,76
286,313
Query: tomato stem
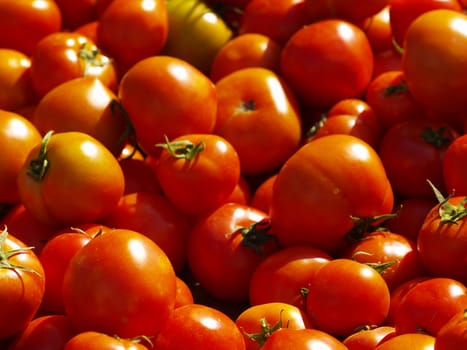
266,330
439,138
129,133
380,266
38,166
91,58
256,235
449,213
182,149
363,226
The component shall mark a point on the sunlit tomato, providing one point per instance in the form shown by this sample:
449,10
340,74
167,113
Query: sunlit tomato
196,33
453,335
70,178
353,11
183,296
314,196
17,137
349,287
258,322
247,50
158,219
327,61
16,89
378,30
131,30
167,96
82,104
261,120
22,285
91,340
44,332
262,196
414,341
287,273
429,305
403,12
225,247
121,283
454,166
368,338
277,19
139,176
302,339
24,22
437,83
412,152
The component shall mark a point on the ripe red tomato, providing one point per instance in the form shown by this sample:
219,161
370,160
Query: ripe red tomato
22,285
199,327
182,100
70,178
183,296
91,340
387,60
120,283
327,61
139,176
408,341
453,335
368,338
262,195
261,120
454,166
314,197
378,30
349,287
302,339
77,12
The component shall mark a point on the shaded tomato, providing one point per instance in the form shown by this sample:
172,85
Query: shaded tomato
262,195
415,341
183,295
386,60
77,12
453,166
302,339
368,338
453,335
91,340
139,176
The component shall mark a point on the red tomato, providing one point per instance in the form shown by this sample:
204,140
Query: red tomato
344,286
453,335
302,339
258,322
327,61
182,100
17,138
429,305
225,247
261,121
44,332
414,341
288,274
438,83
378,30
454,167
77,12
91,340
183,296
314,196
199,327
368,338
131,30
120,283
22,285
24,22
262,196
89,30
386,61
139,176
65,166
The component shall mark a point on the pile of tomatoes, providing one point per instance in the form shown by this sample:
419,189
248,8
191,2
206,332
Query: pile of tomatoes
233,174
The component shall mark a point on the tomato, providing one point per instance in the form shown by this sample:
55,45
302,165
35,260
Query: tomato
183,296
261,121
349,287
412,152
277,19
89,30
197,327
403,12
167,96
120,283
442,240
88,106
44,332
225,247
437,84
70,178
243,51
429,305
196,33
241,193
453,166
91,340
17,137
386,60
368,338
16,89
258,322
77,12
390,99
415,341
22,284
314,197
25,22
131,30
197,172
288,274
327,61
378,30
158,219
302,339
139,176
453,335
262,196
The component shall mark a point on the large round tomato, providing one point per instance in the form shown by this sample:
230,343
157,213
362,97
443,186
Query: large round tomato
121,283
454,166
408,341
453,335
327,61
302,339
91,340
324,184
437,83
70,178
368,338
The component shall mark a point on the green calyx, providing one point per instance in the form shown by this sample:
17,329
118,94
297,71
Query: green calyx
38,166
256,235
266,330
448,212
183,149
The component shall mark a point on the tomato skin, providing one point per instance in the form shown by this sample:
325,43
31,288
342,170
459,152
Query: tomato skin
302,339
77,12
452,334
198,327
139,176
183,100
22,287
369,339
183,296
23,24
137,274
454,166
324,66
311,206
386,60
408,341
261,120
378,29
262,196
91,340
